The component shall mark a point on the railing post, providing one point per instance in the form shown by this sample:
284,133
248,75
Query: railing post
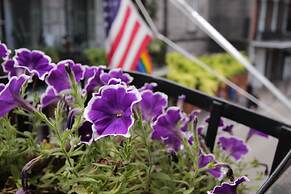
216,112
283,147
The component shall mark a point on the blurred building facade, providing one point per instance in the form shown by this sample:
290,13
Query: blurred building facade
38,23
270,46
231,18
264,26
32,23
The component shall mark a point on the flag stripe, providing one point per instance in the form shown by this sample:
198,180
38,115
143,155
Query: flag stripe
144,44
130,42
134,49
119,35
116,58
116,25
127,36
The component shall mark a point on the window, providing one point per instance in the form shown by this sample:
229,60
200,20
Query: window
26,23
80,22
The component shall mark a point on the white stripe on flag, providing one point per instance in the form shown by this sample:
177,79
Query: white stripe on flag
116,25
116,58
139,37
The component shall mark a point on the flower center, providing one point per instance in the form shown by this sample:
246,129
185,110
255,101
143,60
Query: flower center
119,114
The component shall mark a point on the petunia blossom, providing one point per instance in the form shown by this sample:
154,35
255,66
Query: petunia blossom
93,82
228,188
206,159
148,86
233,146
117,74
111,111
167,128
152,104
228,128
49,97
9,66
59,79
20,191
86,133
186,121
36,62
10,95
253,132
4,51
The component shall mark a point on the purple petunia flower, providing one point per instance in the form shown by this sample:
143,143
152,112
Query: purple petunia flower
189,120
152,104
86,133
36,62
204,160
59,79
233,146
94,80
4,51
89,71
167,128
228,188
117,74
111,111
20,191
49,97
200,130
10,68
228,128
148,86
253,132
10,95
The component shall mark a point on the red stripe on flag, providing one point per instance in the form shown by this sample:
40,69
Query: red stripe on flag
129,44
119,35
144,44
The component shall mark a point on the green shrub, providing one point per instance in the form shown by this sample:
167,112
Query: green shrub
188,73
95,56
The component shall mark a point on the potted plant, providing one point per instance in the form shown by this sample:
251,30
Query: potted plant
105,135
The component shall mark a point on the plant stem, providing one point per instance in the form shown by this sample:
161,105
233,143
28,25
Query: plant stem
150,163
44,118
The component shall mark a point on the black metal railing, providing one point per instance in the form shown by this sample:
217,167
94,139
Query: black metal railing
220,108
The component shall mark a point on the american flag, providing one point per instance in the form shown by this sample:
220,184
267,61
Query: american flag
126,34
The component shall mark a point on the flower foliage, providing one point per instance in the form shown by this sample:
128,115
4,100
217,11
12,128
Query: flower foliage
105,135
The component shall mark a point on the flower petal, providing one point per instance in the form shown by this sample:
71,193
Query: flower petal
4,51
111,112
9,96
167,129
49,97
10,68
152,104
233,146
228,188
36,62
116,73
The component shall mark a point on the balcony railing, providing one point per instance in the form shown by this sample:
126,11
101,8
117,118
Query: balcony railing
220,108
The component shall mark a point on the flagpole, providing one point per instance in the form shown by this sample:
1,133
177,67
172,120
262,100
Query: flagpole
228,47
185,53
